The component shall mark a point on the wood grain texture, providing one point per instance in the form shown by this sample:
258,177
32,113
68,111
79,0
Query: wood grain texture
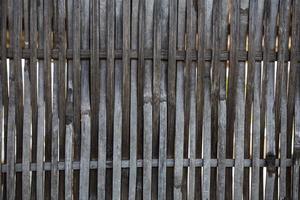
136,99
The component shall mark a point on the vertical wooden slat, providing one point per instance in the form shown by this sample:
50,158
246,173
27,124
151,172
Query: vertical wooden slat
133,102
126,95
85,151
179,110
26,157
156,90
220,43
242,141
66,152
207,134
17,11
110,84
293,98
117,107
102,108
94,89
200,6
171,77
268,92
253,91
95,92
55,109
4,86
281,90
41,112
61,44
76,17
1,122
14,84
140,92
33,86
148,105
162,167
190,85
47,91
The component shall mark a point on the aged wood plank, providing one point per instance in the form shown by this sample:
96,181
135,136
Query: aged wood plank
69,178
76,20
206,75
191,105
17,11
33,86
281,90
148,104
253,91
293,99
4,85
179,109
41,113
157,23
26,154
117,107
110,87
102,108
233,64
133,103
162,167
268,92
11,138
85,150
220,43
126,22
242,141
95,92
47,24
171,77
61,43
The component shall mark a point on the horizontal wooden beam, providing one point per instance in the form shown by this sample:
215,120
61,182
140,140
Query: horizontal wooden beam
133,54
170,163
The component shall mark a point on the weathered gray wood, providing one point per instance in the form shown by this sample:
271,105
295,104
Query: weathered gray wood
125,139
117,106
133,103
268,92
33,86
293,98
171,77
222,32
253,90
11,138
95,89
157,19
191,105
147,104
207,135
102,108
26,156
85,151
4,85
179,109
281,90
68,179
241,179
47,25
162,168
61,64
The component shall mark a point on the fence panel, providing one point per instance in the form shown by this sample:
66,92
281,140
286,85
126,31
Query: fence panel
158,99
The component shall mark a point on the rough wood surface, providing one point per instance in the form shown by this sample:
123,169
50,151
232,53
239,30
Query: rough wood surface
136,99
